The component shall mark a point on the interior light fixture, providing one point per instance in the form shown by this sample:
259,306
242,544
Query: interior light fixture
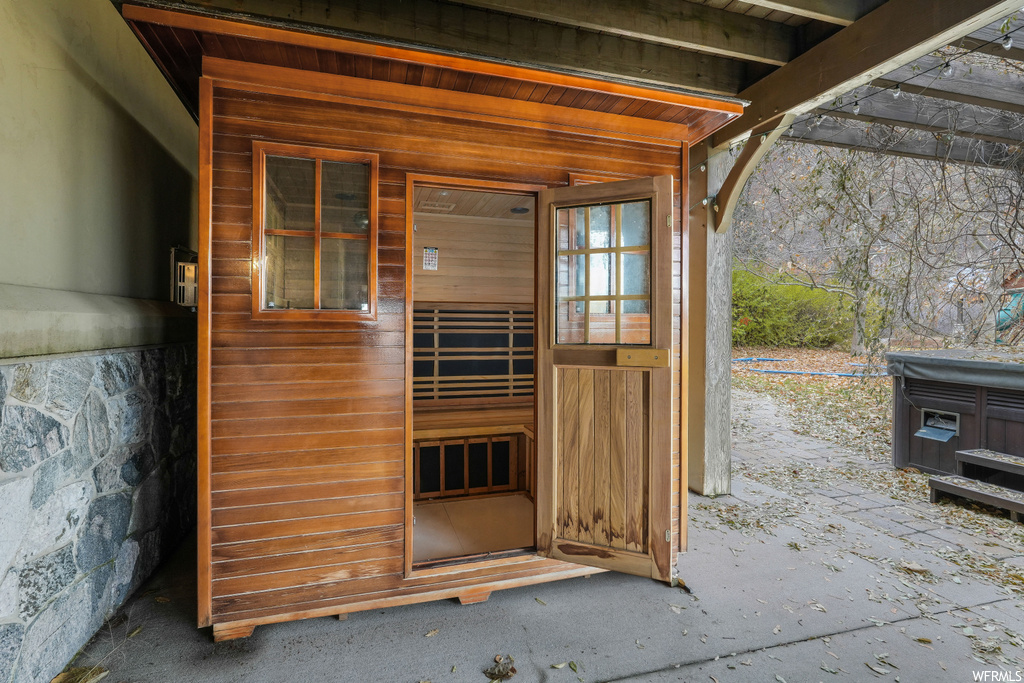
519,210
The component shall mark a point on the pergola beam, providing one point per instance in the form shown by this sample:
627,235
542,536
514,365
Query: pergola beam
933,115
665,22
865,50
470,31
974,85
988,40
900,142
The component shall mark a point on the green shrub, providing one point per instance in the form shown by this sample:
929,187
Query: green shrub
769,313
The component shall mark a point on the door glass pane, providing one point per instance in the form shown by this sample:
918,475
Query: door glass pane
288,272
636,224
344,274
345,194
600,227
603,274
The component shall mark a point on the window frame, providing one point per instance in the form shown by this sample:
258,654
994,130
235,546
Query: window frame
260,151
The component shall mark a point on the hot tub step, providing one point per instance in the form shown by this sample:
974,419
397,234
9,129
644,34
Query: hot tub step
972,489
990,459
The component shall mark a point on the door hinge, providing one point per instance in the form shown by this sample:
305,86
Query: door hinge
668,535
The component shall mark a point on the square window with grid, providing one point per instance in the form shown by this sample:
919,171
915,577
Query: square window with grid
603,274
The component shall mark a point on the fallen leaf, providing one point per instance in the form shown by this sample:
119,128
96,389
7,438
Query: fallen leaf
828,669
135,632
503,668
777,629
161,599
572,665
968,631
926,641
677,608
881,671
540,601
559,666
432,632
780,679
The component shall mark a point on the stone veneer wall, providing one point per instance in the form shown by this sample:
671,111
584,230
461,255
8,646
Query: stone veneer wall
97,486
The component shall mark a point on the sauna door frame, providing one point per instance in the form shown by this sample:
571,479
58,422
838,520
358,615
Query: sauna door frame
412,181
653,362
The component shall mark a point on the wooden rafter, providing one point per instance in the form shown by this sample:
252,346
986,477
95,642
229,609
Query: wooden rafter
863,51
678,24
968,85
841,12
933,115
900,142
458,29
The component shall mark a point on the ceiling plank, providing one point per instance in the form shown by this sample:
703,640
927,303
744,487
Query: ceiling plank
469,31
666,22
896,33
933,115
900,142
969,85
841,12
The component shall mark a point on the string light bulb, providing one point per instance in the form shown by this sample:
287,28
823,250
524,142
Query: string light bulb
856,107
947,70
1006,42
897,91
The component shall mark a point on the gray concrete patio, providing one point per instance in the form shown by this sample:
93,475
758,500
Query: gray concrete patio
837,583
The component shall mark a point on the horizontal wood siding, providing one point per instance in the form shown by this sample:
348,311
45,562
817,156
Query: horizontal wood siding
308,454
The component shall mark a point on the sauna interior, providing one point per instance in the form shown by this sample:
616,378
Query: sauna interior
473,373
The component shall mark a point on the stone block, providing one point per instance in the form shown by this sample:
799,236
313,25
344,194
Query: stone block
123,580
3,388
28,437
29,384
15,495
116,373
57,521
126,466
8,595
131,416
40,580
57,634
67,385
104,530
91,434
154,372
50,476
152,504
11,636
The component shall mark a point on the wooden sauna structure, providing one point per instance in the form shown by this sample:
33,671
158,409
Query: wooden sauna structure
443,314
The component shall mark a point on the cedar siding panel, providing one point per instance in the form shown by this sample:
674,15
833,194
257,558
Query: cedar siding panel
308,490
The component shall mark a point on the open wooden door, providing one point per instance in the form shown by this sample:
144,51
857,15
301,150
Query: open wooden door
604,388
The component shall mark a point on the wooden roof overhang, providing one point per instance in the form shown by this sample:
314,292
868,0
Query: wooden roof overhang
187,46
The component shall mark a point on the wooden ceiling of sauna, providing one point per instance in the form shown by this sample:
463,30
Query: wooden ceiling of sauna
454,202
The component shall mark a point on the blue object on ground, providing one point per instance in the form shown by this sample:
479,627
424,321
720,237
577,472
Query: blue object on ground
830,374
760,360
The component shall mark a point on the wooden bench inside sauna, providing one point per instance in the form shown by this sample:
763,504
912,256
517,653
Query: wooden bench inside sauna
473,374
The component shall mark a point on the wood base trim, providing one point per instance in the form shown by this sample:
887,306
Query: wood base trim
473,598
566,571
231,631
